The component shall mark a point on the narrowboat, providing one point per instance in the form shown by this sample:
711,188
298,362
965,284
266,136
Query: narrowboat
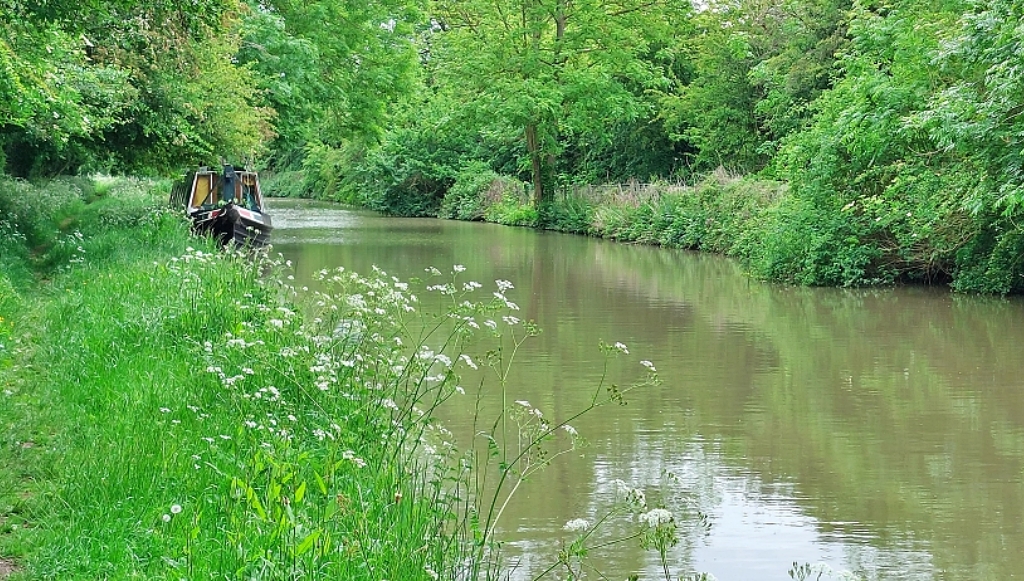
226,204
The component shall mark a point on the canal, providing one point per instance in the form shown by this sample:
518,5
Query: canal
875,431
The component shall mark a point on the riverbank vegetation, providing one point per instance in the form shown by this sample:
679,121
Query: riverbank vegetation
884,136
172,409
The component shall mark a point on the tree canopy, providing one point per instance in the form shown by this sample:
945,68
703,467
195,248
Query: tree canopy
897,124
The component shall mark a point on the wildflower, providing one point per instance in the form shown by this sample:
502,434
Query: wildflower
389,403
166,517
656,517
621,347
511,320
351,456
570,430
576,525
523,403
165,410
633,496
503,285
459,268
175,509
468,361
648,365
491,324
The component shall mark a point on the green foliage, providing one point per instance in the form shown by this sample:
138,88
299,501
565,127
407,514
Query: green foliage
126,86
572,213
513,210
284,184
902,175
408,173
554,69
475,190
331,70
757,67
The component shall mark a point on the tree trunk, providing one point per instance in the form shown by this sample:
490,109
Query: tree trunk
533,148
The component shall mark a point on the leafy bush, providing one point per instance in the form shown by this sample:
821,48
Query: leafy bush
513,210
285,184
573,214
475,190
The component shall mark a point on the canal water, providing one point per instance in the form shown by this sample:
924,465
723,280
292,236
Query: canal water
874,431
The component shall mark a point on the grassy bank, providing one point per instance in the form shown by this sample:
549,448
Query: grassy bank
173,410
914,232
169,414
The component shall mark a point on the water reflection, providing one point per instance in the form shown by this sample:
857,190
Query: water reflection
877,431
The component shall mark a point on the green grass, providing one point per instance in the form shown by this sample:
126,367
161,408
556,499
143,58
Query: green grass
172,410
164,416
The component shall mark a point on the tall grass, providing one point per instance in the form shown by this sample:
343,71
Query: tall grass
178,411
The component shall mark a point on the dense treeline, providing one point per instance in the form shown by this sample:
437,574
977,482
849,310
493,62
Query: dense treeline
896,126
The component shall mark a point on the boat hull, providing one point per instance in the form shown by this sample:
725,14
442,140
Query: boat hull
231,224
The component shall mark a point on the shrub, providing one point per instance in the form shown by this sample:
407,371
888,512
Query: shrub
475,190
513,210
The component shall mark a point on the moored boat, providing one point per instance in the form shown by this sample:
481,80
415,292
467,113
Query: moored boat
228,205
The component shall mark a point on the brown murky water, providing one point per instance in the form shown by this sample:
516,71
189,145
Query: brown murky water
878,431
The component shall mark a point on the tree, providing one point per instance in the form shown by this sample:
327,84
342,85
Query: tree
129,86
542,70
759,64
331,69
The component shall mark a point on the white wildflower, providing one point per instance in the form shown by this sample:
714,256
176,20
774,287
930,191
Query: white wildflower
633,496
648,365
621,347
459,268
468,361
577,525
503,285
656,517
570,430
175,509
